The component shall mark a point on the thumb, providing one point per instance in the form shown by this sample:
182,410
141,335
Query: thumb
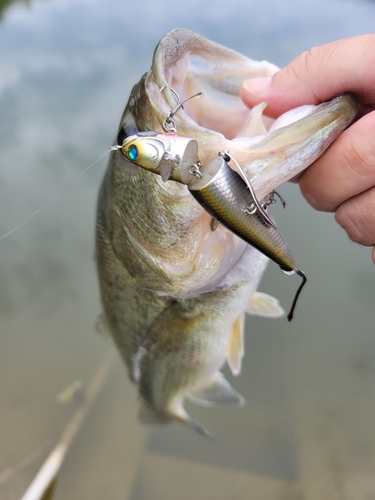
318,75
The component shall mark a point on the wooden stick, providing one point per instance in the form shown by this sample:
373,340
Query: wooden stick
51,467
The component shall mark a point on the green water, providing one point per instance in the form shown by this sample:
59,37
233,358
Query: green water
308,429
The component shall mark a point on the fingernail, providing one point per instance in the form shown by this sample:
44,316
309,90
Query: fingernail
257,85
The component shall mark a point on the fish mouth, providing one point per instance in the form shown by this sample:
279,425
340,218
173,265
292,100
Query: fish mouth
270,152
267,152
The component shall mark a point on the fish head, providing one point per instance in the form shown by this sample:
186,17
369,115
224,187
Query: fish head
270,153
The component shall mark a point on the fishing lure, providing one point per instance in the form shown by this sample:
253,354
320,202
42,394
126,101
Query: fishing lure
223,193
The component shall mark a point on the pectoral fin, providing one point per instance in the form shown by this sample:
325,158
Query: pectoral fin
262,304
236,345
102,326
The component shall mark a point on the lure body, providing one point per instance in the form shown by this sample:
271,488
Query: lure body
226,197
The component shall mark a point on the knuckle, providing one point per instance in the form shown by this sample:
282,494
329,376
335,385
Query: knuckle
301,70
310,67
359,158
351,216
315,196
309,197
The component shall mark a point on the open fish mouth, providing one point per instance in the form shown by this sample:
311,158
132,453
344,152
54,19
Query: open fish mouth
265,153
189,64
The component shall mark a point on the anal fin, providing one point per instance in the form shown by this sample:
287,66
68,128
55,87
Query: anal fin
218,390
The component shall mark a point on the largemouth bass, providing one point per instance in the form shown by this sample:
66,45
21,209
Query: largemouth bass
174,291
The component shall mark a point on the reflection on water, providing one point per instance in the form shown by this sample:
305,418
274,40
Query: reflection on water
307,432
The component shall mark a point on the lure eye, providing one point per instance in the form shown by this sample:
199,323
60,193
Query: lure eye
133,153
144,151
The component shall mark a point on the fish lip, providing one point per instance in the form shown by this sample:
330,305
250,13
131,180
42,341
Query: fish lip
336,105
345,98
287,151
181,42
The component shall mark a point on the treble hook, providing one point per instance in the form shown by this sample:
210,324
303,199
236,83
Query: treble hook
168,124
271,200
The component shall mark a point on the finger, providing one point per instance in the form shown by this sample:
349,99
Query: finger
318,75
346,169
357,217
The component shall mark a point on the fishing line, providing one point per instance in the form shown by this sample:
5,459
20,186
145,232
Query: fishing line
57,194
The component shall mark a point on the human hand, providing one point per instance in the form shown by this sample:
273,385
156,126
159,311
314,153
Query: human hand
342,180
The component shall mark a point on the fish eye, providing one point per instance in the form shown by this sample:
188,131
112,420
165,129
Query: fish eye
125,132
